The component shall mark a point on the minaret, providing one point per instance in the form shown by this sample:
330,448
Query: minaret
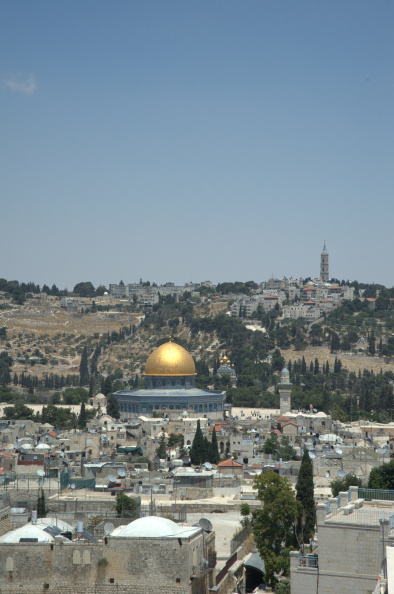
324,265
285,392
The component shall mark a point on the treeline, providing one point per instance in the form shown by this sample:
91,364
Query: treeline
19,291
49,381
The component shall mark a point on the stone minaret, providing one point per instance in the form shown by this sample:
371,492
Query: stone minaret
324,264
285,392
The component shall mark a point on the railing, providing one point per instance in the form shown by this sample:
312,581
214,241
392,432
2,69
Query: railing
308,561
369,494
367,517
239,538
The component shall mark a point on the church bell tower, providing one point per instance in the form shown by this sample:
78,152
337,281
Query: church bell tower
324,265
285,392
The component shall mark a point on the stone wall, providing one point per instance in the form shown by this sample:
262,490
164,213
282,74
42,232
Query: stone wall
135,566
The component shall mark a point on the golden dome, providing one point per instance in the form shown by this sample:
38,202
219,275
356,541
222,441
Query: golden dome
170,359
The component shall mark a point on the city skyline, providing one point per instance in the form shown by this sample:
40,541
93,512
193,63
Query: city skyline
181,141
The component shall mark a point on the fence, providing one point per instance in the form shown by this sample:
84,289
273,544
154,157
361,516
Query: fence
367,517
369,494
28,482
239,538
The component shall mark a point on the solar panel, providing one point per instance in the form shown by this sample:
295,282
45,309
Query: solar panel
52,530
89,537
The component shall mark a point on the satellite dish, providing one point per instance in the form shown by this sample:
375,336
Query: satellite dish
312,456
111,478
208,465
72,486
40,472
342,473
101,454
327,474
121,472
205,525
338,451
108,528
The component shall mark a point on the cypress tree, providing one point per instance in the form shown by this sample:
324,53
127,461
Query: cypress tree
41,507
161,451
303,366
82,417
83,368
305,494
197,451
214,457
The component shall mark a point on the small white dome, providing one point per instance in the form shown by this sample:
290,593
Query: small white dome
155,527
27,531
51,521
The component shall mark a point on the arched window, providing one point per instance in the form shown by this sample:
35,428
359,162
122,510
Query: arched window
86,558
9,564
76,557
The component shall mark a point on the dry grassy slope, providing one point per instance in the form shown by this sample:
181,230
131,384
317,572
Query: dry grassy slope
43,324
134,352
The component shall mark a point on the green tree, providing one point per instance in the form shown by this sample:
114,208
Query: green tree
198,450
214,450
113,407
85,289
82,417
271,445
19,411
335,342
278,362
372,344
305,495
106,387
161,451
245,510
83,369
382,477
125,506
273,524
286,450
350,480
41,505
283,586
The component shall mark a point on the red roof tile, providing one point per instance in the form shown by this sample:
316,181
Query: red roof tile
229,464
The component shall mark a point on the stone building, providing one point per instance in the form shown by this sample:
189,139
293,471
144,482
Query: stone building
352,536
170,388
147,556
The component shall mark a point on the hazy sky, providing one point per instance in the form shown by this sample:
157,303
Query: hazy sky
190,140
